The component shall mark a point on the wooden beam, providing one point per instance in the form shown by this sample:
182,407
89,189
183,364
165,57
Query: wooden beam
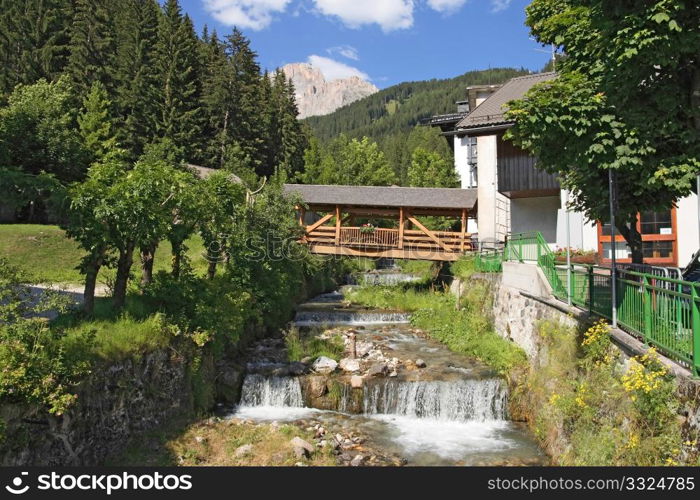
402,221
319,223
302,214
394,253
338,222
464,228
429,233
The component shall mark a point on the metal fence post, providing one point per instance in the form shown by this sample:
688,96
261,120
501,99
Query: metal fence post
590,289
647,310
695,312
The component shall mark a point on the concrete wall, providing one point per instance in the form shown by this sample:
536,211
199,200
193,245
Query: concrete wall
490,200
536,214
687,229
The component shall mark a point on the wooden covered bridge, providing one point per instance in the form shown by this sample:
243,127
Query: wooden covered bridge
331,216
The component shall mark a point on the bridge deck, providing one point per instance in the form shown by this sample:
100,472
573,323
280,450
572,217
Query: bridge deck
337,232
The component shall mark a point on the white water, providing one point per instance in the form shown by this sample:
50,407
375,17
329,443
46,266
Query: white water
352,318
460,400
261,391
387,278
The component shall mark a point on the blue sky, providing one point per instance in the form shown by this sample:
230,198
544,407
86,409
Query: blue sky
385,41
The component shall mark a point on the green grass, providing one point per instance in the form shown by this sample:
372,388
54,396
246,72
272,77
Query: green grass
117,339
422,268
467,331
308,344
463,268
47,255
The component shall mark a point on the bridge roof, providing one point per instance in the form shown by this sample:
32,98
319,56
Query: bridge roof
383,196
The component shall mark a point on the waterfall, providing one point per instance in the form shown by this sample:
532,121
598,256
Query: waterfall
387,278
462,400
259,390
337,317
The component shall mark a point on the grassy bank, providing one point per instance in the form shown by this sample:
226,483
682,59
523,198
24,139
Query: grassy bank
588,407
465,328
49,256
215,443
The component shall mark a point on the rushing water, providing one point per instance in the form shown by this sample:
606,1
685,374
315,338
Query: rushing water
452,412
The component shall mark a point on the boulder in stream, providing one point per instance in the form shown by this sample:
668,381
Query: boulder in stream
378,370
324,365
350,365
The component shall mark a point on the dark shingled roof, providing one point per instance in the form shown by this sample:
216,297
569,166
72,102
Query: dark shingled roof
490,112
381,196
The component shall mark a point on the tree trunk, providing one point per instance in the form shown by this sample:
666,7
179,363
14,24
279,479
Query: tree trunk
211,270
126,259
177,257
91,271
148,253
633,238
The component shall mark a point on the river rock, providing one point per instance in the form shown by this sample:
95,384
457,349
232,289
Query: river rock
356,381
377,370
349,365
301,448
420,363
357,460
242,451
324,365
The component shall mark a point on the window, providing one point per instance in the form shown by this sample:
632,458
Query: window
658,230
656,223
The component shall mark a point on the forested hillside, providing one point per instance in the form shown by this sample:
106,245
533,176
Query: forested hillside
392,118
401,107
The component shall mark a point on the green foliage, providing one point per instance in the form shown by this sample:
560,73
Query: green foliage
34,41
309,344
348,162
177,64
463,268
95,124
37,132
467,330
588,409
35,365
91,45
431,170
627,99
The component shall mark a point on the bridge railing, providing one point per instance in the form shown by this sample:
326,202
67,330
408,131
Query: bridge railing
388,238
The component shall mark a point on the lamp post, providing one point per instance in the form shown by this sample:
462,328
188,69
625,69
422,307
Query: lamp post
613,249
568,251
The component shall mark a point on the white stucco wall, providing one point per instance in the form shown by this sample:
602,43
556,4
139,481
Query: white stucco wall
687,229
583,233
462,161
487,189
536,214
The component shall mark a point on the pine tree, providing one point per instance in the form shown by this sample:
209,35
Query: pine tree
92,45
134,74
178,69
33,41
247,129
95,123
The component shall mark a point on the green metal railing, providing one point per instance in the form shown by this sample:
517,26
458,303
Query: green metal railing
662,312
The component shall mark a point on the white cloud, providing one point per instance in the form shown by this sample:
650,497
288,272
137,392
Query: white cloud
388,14
253,14
347,51
499,5
446,6
333,70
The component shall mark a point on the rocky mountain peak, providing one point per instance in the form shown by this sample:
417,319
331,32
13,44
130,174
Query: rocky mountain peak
318,96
